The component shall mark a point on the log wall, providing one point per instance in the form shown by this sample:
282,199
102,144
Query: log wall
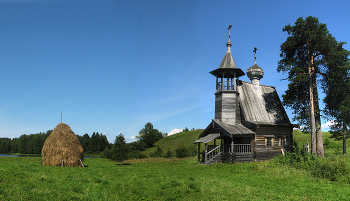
265,152
227,107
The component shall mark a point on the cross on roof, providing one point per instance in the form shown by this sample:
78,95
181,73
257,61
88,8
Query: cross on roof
229,31
255,49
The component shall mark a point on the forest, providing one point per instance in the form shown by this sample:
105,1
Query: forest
33,143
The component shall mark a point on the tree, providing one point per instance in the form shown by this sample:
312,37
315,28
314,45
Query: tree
22,144
337,90
5,145
120,149
85,141
14,145
149,135
303,57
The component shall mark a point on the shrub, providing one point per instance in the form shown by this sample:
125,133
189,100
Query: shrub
334,168
106,153
158,153
169,154
193,150
182,152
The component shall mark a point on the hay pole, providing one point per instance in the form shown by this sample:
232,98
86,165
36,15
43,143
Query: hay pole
43,160
62,163
81,163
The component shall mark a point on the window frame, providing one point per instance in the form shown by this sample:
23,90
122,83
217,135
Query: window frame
283,141
267,143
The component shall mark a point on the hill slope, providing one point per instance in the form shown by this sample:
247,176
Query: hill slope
173,141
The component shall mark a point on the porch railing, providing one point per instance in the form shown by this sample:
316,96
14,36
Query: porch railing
212,150
238,148
213,153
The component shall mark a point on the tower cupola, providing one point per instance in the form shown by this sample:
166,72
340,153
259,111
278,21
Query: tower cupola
255,73
227,72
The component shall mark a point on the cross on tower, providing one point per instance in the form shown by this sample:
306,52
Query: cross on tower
255,49
229,31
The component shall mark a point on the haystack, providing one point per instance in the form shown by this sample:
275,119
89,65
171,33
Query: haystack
62,148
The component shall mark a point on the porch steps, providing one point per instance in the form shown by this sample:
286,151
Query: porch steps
215,159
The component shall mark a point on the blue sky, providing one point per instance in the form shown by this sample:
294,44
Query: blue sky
113,66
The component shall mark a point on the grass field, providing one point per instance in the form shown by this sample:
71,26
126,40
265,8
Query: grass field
24,178
161,179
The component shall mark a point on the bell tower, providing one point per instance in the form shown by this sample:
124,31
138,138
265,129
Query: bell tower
226,96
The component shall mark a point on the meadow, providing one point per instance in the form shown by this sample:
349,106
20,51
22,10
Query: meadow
166,179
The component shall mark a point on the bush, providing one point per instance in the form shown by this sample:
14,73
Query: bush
169,154
193,150
182,152
334,168
158,153
106,153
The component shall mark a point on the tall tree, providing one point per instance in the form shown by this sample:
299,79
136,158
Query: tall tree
303,55
149,135
120,149
337,90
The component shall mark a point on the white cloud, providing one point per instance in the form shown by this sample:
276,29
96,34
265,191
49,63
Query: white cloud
327,125
174,131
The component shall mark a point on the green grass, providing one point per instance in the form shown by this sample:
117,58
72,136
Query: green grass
332,148
161,179
23,178
173,141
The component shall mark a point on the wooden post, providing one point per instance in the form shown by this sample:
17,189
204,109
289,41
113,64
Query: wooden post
222,81
234,80
222,147
205,153
232,145
81,162
199,152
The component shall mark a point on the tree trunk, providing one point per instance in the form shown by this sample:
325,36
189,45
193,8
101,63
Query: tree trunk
344,138
319,149
312,109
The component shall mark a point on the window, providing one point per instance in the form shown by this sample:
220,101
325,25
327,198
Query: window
283,141
268,141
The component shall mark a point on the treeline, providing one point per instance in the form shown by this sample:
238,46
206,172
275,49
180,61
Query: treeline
121,151
33,143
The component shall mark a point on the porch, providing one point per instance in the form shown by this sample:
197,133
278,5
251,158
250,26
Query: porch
224,154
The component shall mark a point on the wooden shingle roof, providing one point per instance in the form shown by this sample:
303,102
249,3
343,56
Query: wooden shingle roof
228,66
238,129
262,106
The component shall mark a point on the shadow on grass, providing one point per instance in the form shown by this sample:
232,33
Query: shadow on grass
124,164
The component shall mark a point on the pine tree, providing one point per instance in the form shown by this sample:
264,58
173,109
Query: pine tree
337,90
120,149
303,58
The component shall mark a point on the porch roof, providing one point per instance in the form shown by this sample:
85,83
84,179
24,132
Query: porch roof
207,138
238,129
